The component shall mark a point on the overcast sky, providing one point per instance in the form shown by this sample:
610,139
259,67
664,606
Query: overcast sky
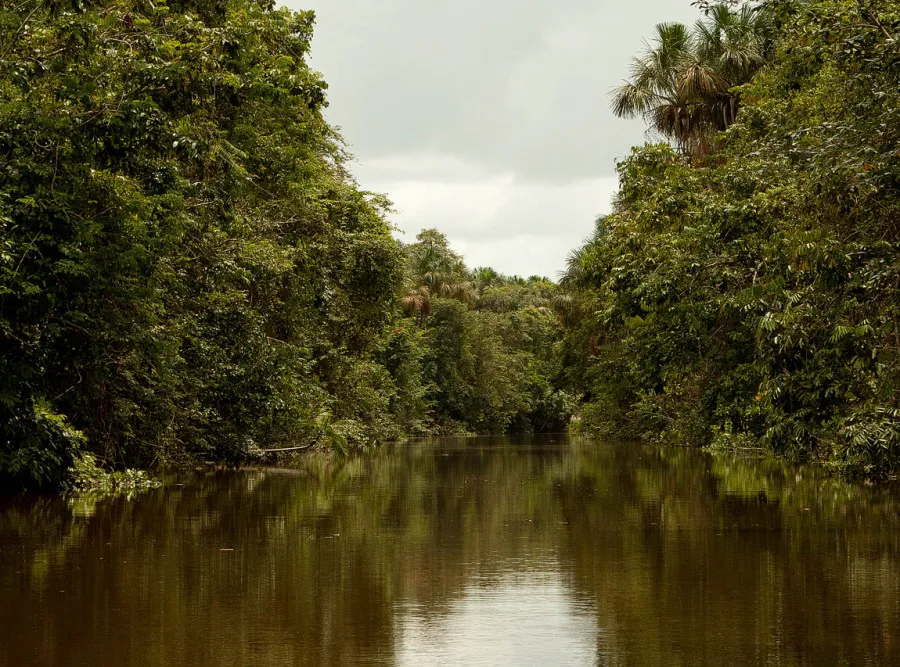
488,119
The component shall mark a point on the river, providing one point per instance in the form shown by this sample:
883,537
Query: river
482,551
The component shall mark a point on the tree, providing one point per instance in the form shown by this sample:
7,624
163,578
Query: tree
754,299
683,84
433,270
488,358
186,269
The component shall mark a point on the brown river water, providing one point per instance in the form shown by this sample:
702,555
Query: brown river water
483,551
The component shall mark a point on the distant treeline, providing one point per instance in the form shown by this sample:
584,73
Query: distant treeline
188,272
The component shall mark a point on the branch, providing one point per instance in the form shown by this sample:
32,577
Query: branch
287,449
12,41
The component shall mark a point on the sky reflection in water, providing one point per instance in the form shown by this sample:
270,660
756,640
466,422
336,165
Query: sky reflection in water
480,551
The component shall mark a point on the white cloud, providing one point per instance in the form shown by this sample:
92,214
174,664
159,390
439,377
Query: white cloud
515,226
488,119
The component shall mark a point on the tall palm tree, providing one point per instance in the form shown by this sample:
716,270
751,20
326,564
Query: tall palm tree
430,257
417,301
485,277
735,44
654,91
682,83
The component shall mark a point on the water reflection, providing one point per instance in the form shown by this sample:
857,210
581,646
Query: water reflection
519,618
462,552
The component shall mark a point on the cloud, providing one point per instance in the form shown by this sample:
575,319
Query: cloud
481,117
498,220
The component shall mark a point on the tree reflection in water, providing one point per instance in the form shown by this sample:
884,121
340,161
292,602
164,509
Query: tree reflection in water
462,550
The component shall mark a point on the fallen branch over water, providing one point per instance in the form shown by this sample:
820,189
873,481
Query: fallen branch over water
286,449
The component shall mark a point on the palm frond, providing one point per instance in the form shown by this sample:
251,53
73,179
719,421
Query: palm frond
630,101
680,82
699,80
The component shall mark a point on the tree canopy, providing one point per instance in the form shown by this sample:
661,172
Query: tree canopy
186,266
754,299
683,82
188,271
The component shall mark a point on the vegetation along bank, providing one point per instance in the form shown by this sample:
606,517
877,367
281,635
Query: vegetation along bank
189,272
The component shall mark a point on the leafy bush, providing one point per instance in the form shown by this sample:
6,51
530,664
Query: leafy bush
88,477
38,447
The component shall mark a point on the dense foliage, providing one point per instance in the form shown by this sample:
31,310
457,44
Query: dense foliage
488,344
188,271
757,298
185,266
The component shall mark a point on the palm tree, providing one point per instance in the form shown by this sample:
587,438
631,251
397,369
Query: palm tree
434,270
735,44
654,91
417,301
682,83
431,259
485,277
